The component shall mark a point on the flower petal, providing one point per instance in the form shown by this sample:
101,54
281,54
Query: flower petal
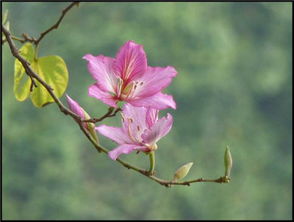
75,107
137,115
154,80
158,101
130,62
100,67
124,149
158,130
134,121
151,117
114,133
96,92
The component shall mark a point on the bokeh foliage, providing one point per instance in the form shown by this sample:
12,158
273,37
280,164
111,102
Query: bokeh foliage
233,88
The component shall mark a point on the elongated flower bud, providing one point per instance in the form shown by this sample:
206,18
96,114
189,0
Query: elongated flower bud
182,171
228,162
78,110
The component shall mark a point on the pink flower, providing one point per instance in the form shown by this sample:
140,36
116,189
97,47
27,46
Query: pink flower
128,78
76,108
141,129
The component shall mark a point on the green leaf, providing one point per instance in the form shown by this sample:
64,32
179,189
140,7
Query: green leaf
52,69
5,22
4,16
22,82
182,171
91,127
7,25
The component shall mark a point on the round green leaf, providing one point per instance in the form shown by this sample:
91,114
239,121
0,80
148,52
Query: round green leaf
52,69
22,82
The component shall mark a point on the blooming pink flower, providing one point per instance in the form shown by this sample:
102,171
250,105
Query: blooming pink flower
128,78
141,129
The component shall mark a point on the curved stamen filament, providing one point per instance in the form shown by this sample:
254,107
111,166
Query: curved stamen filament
130,120
119,87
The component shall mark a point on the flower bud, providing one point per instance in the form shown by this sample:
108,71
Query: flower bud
78,110
182,171
228,162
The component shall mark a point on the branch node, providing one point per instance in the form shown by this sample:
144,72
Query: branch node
106,115
186,183
33,84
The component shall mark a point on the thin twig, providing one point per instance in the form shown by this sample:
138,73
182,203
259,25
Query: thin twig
18,39
27,38
106,115
66,111
55,26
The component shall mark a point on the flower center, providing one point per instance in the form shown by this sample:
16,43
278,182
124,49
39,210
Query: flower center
127,91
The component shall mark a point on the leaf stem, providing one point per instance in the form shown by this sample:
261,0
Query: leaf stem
152,162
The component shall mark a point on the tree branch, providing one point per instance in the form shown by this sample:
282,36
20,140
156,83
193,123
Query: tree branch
66,111
27,38
55,26
106,115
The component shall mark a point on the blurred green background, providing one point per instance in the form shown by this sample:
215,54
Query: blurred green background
233,88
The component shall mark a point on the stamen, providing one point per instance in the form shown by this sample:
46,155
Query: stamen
130,131
128,68
119,87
